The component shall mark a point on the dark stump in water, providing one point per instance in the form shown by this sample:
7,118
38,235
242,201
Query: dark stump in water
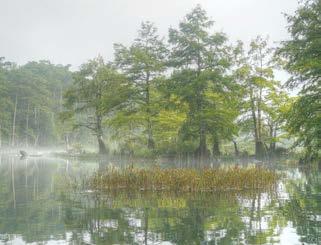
23,153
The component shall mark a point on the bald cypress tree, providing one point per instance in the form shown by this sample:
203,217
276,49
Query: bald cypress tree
200,60
143,63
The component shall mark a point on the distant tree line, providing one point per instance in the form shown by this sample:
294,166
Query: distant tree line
31,98
186,94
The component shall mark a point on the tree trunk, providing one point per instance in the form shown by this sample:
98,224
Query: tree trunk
27,125
236,150
216,147
202,148
259,146
202,151
67,142
259,116
101,144
36,126
150,143
14,122
274,137
150,139
259,149
272,142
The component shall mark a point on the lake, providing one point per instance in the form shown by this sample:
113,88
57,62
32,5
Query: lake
40,205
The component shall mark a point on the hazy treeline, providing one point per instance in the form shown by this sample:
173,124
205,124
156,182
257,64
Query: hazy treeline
31,98
186,93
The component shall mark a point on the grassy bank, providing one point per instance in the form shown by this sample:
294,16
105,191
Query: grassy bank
184,180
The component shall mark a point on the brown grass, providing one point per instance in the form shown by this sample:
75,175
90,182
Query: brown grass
184,180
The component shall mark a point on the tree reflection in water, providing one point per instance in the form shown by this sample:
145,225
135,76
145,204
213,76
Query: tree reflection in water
36,205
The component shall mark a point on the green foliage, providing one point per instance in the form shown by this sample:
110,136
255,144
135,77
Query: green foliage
302,59
263,96
303,121
200,61
190,96
37,88
143,63
92,97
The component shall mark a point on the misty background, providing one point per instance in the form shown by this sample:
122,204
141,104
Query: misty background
71,32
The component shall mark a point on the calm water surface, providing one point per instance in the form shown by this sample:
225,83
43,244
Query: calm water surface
36,207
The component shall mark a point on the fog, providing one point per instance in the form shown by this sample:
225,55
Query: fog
71,32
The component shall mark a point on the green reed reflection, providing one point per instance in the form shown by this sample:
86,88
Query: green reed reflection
38,204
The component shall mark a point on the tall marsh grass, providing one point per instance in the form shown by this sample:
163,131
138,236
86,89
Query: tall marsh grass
184,180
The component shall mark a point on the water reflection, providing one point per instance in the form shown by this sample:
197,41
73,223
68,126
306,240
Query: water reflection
37,206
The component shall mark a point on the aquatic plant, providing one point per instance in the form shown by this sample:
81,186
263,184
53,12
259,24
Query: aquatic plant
184,179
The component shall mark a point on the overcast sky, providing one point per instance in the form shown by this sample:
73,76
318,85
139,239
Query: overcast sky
73,31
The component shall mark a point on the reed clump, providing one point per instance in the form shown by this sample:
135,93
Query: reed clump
184,180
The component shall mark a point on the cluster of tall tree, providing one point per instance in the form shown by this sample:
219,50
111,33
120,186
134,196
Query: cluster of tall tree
186,95
31,98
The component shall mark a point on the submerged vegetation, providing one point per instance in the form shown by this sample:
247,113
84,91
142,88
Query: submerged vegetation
184,180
